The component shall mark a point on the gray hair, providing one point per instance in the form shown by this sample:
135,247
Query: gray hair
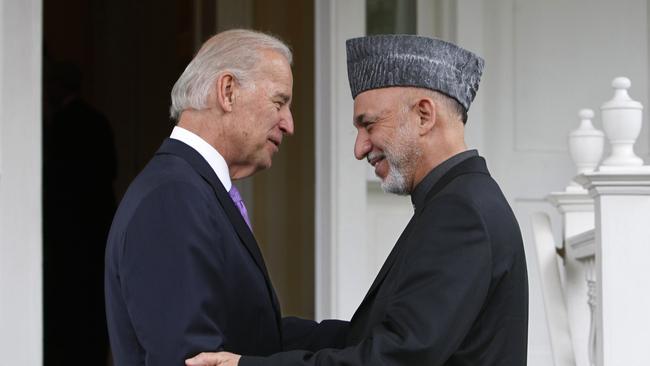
235,51
451,104
443,100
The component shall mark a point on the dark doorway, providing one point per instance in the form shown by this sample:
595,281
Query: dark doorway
108,68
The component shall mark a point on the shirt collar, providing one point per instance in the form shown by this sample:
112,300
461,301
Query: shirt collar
420,192
207,151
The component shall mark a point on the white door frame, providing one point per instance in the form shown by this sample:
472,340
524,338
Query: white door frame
21,319
341,260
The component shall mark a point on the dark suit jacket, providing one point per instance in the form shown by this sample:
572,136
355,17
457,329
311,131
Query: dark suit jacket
184,273
453,291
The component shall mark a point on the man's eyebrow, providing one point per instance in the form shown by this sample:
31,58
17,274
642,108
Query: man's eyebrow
358,120
285,97
364,118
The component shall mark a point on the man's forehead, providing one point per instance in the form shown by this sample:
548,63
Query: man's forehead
274,66
389,91
376,97
366,109
276,76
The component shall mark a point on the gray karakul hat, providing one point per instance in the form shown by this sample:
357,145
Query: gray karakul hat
405,60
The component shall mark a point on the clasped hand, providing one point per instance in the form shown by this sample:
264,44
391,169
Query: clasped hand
214,359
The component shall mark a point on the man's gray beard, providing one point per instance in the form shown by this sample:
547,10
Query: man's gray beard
395,181
400,159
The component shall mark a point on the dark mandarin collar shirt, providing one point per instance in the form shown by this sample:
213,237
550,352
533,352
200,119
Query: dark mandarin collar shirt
421,190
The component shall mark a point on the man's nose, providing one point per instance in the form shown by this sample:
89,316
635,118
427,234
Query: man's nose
286,123
362,145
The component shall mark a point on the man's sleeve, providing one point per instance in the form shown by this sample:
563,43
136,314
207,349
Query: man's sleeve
303,334
170,275
439,296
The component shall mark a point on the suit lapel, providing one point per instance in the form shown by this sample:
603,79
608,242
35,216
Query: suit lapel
471,165
178,148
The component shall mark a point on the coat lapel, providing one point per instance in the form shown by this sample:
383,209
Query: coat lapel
178,148
471,165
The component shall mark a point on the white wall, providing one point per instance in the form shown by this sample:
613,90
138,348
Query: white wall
20,183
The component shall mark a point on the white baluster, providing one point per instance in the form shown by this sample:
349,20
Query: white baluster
622,119
585,146
590,274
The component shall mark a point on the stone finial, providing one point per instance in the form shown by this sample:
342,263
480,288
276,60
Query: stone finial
585,146
622,117
586,143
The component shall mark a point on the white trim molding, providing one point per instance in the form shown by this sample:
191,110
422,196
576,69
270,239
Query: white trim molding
21,319
342,266
632,182
2,43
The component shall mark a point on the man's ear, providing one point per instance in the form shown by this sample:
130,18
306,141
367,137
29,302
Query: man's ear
427,110
226,91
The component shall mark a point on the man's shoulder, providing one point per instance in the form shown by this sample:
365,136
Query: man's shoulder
472,196
467,187
166,179
165,170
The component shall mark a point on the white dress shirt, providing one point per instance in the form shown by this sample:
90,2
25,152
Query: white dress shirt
209,153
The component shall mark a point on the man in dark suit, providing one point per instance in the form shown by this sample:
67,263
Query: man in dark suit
453,290
183,271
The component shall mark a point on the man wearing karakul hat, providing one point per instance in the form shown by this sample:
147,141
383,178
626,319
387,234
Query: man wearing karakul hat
454,290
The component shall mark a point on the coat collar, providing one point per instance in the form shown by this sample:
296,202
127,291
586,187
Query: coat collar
418,196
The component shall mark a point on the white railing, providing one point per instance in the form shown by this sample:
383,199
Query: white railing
583,249
602,264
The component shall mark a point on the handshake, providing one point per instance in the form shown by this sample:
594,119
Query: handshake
214,359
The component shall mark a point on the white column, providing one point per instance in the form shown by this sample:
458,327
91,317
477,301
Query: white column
622,271
342,266
20,183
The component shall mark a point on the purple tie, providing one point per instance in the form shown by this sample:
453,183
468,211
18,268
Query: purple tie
239,202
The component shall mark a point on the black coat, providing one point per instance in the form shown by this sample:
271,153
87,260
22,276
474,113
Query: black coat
453,291
184,273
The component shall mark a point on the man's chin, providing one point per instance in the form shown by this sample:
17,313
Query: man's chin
252,168
400,191
265,164
395,184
